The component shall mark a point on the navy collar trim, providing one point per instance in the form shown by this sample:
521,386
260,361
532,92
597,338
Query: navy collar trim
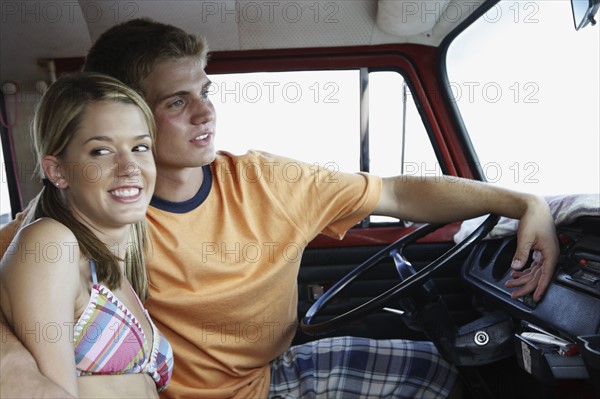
187,205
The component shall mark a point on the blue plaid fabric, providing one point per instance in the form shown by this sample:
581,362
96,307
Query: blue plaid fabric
350,367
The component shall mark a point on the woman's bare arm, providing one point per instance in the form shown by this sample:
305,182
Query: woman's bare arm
40,281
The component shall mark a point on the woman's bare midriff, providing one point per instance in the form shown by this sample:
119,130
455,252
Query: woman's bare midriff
117,386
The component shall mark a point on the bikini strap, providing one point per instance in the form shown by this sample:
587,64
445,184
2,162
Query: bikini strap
93,267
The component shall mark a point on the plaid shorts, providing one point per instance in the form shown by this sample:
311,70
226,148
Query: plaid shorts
349,367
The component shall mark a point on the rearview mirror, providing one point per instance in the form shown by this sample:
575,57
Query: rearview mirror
584,11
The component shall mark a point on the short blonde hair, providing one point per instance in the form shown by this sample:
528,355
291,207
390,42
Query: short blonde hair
131,50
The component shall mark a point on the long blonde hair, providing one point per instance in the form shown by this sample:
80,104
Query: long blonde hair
55,122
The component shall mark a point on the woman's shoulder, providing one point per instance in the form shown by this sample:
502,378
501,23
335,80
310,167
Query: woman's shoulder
48,236
46,227
43,257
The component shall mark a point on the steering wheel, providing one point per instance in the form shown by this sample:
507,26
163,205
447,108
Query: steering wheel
410,280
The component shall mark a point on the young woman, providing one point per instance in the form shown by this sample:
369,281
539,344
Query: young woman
72,279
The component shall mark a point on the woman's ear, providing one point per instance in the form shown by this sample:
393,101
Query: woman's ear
53,171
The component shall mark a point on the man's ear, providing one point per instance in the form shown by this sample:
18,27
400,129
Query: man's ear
54,171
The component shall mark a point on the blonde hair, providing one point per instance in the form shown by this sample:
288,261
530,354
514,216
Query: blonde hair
56,120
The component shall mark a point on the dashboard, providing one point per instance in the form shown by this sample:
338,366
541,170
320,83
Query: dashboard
558,337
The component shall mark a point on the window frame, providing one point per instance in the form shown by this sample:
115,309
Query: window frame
419,65
446,88
452,151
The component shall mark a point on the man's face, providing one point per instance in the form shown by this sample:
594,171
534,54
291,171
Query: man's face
177,91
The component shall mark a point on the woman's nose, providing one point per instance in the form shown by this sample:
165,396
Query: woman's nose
126,165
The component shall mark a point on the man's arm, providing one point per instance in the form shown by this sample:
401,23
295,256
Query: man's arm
19,374
448,199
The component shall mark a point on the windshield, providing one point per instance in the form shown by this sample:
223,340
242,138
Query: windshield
527,87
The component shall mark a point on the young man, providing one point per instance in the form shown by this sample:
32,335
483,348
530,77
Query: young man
228,232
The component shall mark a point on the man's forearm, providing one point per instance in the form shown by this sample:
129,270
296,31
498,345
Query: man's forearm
19,374
448,199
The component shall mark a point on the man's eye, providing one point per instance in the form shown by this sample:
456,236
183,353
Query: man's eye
208,90
175,104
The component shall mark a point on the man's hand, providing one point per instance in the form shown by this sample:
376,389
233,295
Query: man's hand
536,233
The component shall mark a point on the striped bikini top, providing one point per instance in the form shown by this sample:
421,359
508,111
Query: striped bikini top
109,340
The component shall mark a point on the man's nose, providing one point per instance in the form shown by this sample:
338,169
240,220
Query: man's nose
203,112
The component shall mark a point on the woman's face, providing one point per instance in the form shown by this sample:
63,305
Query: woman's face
108,170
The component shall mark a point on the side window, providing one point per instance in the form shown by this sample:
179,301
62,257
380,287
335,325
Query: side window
5,124
308,116
399,143
5,208
315,117
526,84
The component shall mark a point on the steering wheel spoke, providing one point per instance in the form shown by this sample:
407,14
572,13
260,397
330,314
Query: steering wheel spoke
409,278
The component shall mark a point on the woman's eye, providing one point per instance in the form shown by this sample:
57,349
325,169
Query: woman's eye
100,151
177,103
141,148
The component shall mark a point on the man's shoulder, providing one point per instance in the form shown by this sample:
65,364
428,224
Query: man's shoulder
252,166
249,156
254,158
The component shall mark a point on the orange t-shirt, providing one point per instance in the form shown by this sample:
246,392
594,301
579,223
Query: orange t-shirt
223,265
9,231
